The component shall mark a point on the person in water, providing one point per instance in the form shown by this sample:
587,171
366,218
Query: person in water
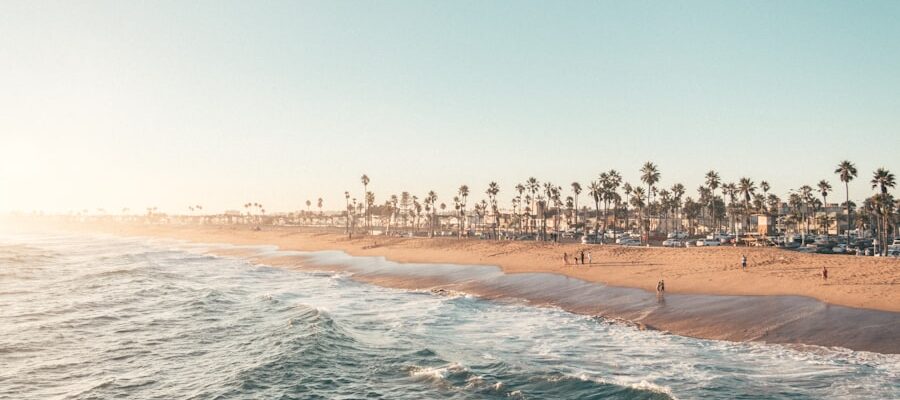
660,286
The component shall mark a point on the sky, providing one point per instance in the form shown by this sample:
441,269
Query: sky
170,103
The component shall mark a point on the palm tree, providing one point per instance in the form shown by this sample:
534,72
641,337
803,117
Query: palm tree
369,203
610,194
712,183
824,189
443,207
392,203
554,196
677,193
533,187
847,172
884,179
548,192
616,199
692,211
649,175
405,205
772,201
417,212
365,181
637,200
807,198
520,188
463,197
883,208
665,200
595,190
576,188
430,200
604,195
731,190
492,191
628,190
347,199
746,188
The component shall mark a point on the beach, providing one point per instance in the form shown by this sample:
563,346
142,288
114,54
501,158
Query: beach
102,316
858,282
779,298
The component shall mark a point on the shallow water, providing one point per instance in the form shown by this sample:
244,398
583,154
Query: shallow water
104,317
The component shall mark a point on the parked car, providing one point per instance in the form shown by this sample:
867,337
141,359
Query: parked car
708,242
824,250
677,235
672,243
894,251
613,234
622,239
590,240
630,242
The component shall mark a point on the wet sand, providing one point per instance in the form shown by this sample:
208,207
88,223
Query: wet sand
771,319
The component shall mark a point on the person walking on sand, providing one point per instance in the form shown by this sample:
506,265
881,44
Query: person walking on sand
743,262
660,286
590,261
582,257
566,258
825,274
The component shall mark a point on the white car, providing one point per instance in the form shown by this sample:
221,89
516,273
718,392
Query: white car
672,243
708,242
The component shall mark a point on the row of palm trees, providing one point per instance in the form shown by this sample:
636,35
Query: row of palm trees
719,205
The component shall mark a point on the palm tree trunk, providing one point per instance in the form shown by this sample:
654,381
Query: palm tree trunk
847,192
615,220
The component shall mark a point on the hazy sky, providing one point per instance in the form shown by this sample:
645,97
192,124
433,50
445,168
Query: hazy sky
136,104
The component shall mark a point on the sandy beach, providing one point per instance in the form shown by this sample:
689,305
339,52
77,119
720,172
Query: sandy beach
859,282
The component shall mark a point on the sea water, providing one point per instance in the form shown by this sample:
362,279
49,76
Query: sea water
97,317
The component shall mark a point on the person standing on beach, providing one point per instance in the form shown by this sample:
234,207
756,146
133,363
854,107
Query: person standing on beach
743,262
582,257
590,261
825,273
660,286
566,258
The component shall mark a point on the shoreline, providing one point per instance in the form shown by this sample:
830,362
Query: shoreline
790,318
857,282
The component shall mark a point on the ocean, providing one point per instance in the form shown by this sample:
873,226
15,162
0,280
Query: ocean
100,317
